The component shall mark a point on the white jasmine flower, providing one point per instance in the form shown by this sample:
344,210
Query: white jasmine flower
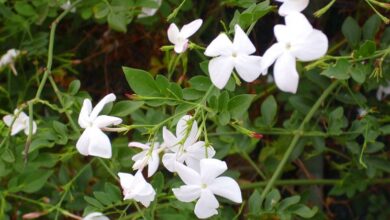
67,5
21,123
229,55
204,185
290,6
8,59
93,141
296,40
95,216
180,37
147,12
184,147
383,91
135,187
147,156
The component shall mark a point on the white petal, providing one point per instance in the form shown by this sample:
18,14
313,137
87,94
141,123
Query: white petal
221,45
241,41
154,161
271,55
187,193
99,144
103,121
182,130
169,160
285,73
298,26
181,46
248,68
190,29
95,216
83,142
282,33
228,188
27,127
8,119
169,139
86,109
290,6
207,205
197,150
139,145
211,169
126,180
146,199
173,33
193,163
312,47
99,107
188,175
220,69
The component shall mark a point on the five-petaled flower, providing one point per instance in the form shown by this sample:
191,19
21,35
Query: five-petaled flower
93,141
180,37
148,156
228,55
204,185
290,6
296,40
22,122
135,187
184,147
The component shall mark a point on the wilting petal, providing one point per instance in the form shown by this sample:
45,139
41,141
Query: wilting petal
154,161
248,67
211,169
220,69
188,175
187,193
271,55
99,107
290,6
285,73
241,41
312,47
190,29
99,143
169,139
82,144
103,121
182,130
221,45
207,205
226,187
86,109
173,33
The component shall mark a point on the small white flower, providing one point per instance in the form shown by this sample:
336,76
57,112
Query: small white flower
67,5
180,37
205,185
383,91
290,6
296,40
135,187
8,59
147,12
146,157
21,123
95,216
184,147
229,55
93,141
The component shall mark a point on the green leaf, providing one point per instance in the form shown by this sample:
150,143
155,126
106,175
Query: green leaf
201,83
338,71
33,182
371,27
254,202
224,117
385,130
304,211
74,87
366,49
117,21
239,104
351,31
94,202
125,108
272,198
287,202
359,72
141,82
24,8
101,10
268,110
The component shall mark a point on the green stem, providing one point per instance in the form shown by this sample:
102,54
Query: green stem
253,164
295,139
304,182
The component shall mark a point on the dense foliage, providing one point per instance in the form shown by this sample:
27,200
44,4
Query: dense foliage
314,144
